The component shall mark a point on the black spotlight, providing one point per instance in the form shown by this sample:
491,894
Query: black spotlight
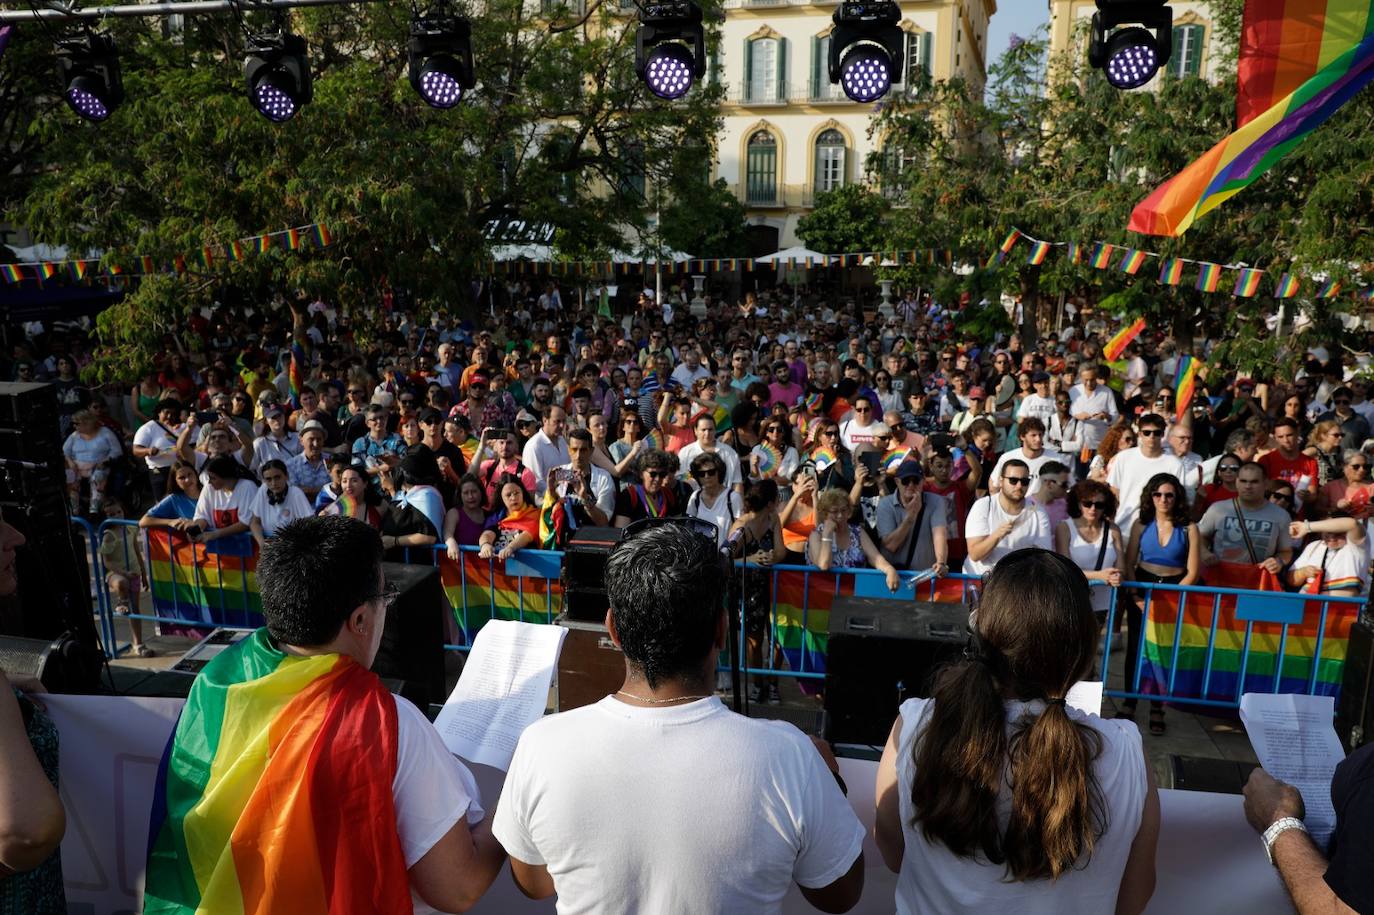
440,55
89,68
866,48
277,73
1131,57
670,47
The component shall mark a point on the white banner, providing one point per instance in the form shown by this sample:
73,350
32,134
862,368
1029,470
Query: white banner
110,750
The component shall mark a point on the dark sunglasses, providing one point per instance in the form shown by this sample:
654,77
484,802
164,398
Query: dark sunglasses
1166,496
909,481
1098,504
1229,468
1354,466
1016,481
1280,497
657,474
702,473
1151,433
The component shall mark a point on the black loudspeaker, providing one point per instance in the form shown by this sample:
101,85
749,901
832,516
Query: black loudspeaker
1355,710
412,649
584,572
63,665
881,653
53,567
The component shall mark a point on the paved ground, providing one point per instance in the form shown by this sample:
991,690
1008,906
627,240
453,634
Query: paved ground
1209,737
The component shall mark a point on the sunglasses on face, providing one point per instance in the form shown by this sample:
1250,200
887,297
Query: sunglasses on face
1016,481
1229,468
1280,497
1151,433
702,473
909,481
1095,503
829,432
656,474
1354,466
1165,496
1342,403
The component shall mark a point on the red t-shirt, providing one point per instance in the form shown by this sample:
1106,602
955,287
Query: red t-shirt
961,500
1280,468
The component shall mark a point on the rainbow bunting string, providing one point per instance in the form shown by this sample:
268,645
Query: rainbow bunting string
1039,251
1075,253
1330,289
1133,261
1209,277
1287,287
1101,257
1247,284
1171,274
1010,241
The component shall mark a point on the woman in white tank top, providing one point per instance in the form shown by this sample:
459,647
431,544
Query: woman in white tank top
970,777
1091,507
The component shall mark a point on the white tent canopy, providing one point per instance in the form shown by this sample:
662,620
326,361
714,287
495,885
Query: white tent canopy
648,254
802,257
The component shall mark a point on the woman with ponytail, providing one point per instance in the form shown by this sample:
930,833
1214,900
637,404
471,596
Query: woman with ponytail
994,794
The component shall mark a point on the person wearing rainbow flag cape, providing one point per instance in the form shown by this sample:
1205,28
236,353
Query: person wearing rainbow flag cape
294,782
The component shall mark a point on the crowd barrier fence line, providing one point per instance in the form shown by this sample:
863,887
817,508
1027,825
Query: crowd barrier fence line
1199,645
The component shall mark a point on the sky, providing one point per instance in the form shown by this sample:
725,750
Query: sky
1019,17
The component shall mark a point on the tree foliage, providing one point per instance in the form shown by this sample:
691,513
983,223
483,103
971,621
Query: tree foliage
705,221
559,131
845,219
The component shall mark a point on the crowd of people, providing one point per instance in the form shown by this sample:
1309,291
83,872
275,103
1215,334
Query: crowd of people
803,434
808,434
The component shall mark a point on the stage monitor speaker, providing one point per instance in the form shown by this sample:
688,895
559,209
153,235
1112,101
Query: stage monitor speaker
412,648
584,572
53,567
590,666
882,652
63,665
1355,710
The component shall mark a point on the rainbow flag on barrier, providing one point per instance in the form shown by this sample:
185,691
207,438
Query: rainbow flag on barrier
201,584
479,590
802,602
1299,649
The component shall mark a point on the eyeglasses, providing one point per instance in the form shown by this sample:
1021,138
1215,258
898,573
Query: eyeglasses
656,474
863,409
703,472
1094,503
1280,497
1151,433
1165,496
1229,468
909,481
1342,403
829,432
387,596
1016,481
1358,466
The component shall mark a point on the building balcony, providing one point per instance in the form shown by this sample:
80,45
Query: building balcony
765,196
773,94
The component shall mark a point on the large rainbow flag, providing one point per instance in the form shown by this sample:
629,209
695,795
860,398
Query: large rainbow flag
202,583
479,590
265,795
1318,54
804,600
1191,676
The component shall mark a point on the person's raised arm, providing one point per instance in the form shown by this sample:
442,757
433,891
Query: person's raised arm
185,450
1138,880
32,820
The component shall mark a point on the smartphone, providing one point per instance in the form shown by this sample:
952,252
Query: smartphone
194,531
206,417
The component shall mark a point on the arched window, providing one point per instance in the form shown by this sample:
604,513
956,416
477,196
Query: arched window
761,169
830,160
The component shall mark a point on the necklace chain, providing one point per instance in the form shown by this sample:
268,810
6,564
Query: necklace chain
621,692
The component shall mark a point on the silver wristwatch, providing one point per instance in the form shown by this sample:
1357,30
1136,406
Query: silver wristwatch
1277,828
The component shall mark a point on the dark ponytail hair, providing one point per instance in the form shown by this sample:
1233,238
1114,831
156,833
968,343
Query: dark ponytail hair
1034,637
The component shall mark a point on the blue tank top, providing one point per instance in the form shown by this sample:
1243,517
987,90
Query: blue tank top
1173,554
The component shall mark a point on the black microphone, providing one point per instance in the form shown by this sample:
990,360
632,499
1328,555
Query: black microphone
25,465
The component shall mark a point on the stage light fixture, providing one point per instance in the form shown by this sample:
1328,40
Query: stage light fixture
866,48
670,47
1130,57
89,69
276,71
440,60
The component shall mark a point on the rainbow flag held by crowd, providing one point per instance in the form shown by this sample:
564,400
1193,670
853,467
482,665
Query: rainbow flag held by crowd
1117,344
1223,681
1329,46
1185,385
201,583
803,603
479,590
295,375
275,762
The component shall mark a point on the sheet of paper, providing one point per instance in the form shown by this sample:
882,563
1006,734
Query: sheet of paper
1086,696
1296,742
504,689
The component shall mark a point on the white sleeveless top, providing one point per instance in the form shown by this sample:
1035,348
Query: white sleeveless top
1084,555
932,880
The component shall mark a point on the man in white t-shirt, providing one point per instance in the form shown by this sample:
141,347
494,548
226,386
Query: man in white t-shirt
547,448
691,368
1004,521
1032,453
1039,403
705,429
156,442
1094,406
1132,468
662,800
865,425
324,601
592,488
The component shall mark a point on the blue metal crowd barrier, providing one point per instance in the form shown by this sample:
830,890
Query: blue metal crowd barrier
792,642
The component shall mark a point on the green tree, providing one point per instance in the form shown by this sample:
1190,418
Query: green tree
559,131
707,221
849,218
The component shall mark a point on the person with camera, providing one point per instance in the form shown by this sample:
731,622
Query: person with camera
590,490
662,799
